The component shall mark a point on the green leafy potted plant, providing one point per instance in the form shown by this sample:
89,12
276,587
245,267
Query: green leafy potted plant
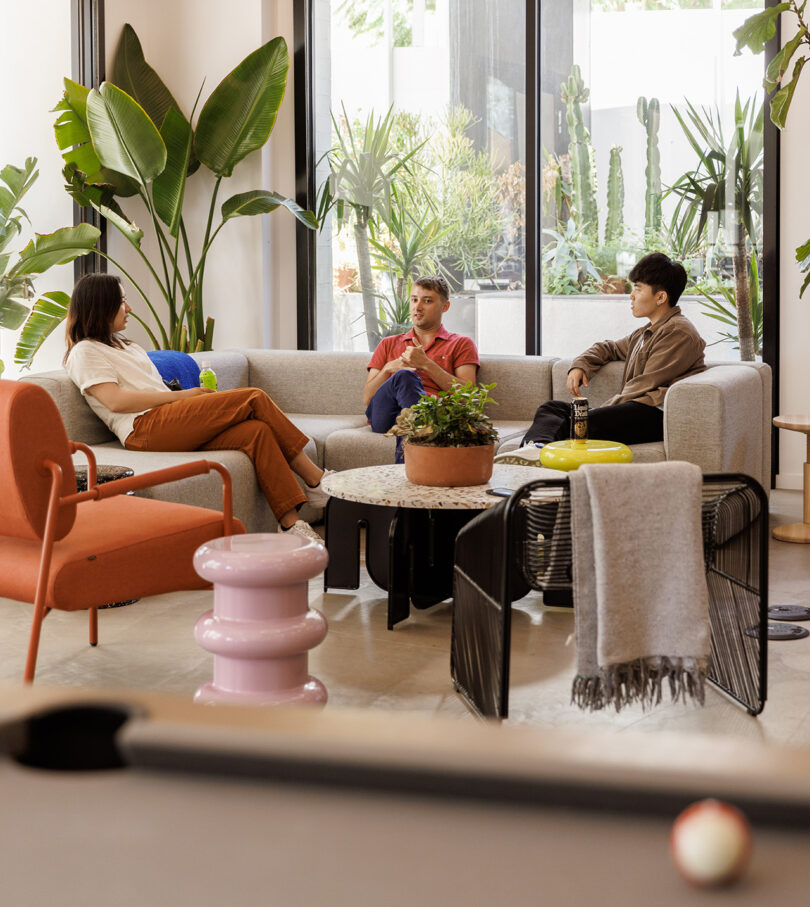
449,439
18,271
129,138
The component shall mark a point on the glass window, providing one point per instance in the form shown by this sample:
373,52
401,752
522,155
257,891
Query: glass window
420,143
651,135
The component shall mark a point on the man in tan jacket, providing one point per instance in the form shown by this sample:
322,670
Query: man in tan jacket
655,356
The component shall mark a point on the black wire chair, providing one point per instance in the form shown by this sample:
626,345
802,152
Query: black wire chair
525,543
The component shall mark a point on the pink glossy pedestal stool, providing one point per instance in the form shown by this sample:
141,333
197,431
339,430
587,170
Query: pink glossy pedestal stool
261,627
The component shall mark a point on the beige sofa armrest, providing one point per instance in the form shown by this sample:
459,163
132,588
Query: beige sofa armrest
720,420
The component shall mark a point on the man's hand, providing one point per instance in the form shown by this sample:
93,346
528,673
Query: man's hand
576,377
415,356
393,366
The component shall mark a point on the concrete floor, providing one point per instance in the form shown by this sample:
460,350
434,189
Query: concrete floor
149,646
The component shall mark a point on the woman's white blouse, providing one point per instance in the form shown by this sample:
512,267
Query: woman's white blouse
91,362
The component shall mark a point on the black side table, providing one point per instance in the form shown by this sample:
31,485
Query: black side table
105,474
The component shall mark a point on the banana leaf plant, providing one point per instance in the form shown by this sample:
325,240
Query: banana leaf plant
755,33
365,171
728,179
18,270
130,138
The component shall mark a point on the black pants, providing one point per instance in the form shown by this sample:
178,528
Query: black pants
628,423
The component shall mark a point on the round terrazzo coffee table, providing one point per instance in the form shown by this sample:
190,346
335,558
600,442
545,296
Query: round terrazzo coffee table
410,530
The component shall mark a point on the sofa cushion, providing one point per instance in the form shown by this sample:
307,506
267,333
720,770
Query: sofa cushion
353,447
522,384
81,423
307,381
176,366
230,366
320,427
603,385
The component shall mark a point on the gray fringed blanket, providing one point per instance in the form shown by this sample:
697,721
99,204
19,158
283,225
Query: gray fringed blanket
640,599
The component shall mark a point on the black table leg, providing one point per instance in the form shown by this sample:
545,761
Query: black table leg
344,521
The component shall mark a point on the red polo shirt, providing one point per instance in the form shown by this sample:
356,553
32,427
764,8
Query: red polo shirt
447,350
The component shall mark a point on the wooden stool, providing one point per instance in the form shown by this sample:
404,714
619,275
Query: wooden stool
797,532
261,627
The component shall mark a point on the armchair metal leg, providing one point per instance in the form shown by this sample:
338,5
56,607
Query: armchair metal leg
40,613
93,626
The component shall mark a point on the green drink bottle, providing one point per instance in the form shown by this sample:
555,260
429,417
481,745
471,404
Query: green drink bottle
208,377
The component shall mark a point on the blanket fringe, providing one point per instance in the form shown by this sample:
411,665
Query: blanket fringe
641,681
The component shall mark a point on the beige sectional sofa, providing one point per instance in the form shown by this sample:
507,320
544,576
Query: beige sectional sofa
719,420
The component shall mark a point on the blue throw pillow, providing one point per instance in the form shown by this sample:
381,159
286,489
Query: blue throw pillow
174,364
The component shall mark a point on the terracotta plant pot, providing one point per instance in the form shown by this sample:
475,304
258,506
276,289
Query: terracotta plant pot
448,466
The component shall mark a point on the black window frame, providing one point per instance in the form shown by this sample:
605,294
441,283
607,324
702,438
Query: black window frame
305,171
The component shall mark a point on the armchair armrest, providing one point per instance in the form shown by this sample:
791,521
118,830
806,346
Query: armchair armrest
718,420
156,477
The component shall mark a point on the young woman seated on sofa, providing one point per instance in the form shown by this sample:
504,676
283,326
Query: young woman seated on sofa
126,392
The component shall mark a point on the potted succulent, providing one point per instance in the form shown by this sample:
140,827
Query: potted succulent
449,439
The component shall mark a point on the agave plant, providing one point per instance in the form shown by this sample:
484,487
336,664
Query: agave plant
17,272
130,138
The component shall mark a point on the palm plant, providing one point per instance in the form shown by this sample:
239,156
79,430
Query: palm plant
728,178
364,173
17,273
131,139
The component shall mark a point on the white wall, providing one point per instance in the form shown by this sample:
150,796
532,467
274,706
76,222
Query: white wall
34,57
188,41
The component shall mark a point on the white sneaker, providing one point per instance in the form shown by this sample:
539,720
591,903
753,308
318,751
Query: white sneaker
523,456
316,496
299,527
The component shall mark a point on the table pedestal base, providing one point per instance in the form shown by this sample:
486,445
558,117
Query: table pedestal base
793,532
409,552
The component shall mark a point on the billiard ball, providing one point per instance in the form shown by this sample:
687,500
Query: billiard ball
711,843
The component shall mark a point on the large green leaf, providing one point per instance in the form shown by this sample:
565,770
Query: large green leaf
803,260
168,188
124,137
778,66
261,201
73,139
12,310
57,248
758,29
239,116
18,180
49,312
132,74
780,102
102,199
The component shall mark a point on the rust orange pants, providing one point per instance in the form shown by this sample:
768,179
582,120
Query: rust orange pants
245,419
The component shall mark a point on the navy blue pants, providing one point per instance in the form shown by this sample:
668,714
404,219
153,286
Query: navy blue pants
401,390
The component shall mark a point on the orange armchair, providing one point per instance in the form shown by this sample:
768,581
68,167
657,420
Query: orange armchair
76,551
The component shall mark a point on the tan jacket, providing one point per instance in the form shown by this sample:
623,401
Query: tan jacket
655,357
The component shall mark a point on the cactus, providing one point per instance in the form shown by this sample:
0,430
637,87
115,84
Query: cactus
649,115
583,173
614,227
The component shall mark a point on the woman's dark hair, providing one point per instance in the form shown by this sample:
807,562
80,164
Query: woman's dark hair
436,283
661,273
94,303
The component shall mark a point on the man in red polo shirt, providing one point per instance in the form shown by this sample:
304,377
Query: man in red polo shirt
426,360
